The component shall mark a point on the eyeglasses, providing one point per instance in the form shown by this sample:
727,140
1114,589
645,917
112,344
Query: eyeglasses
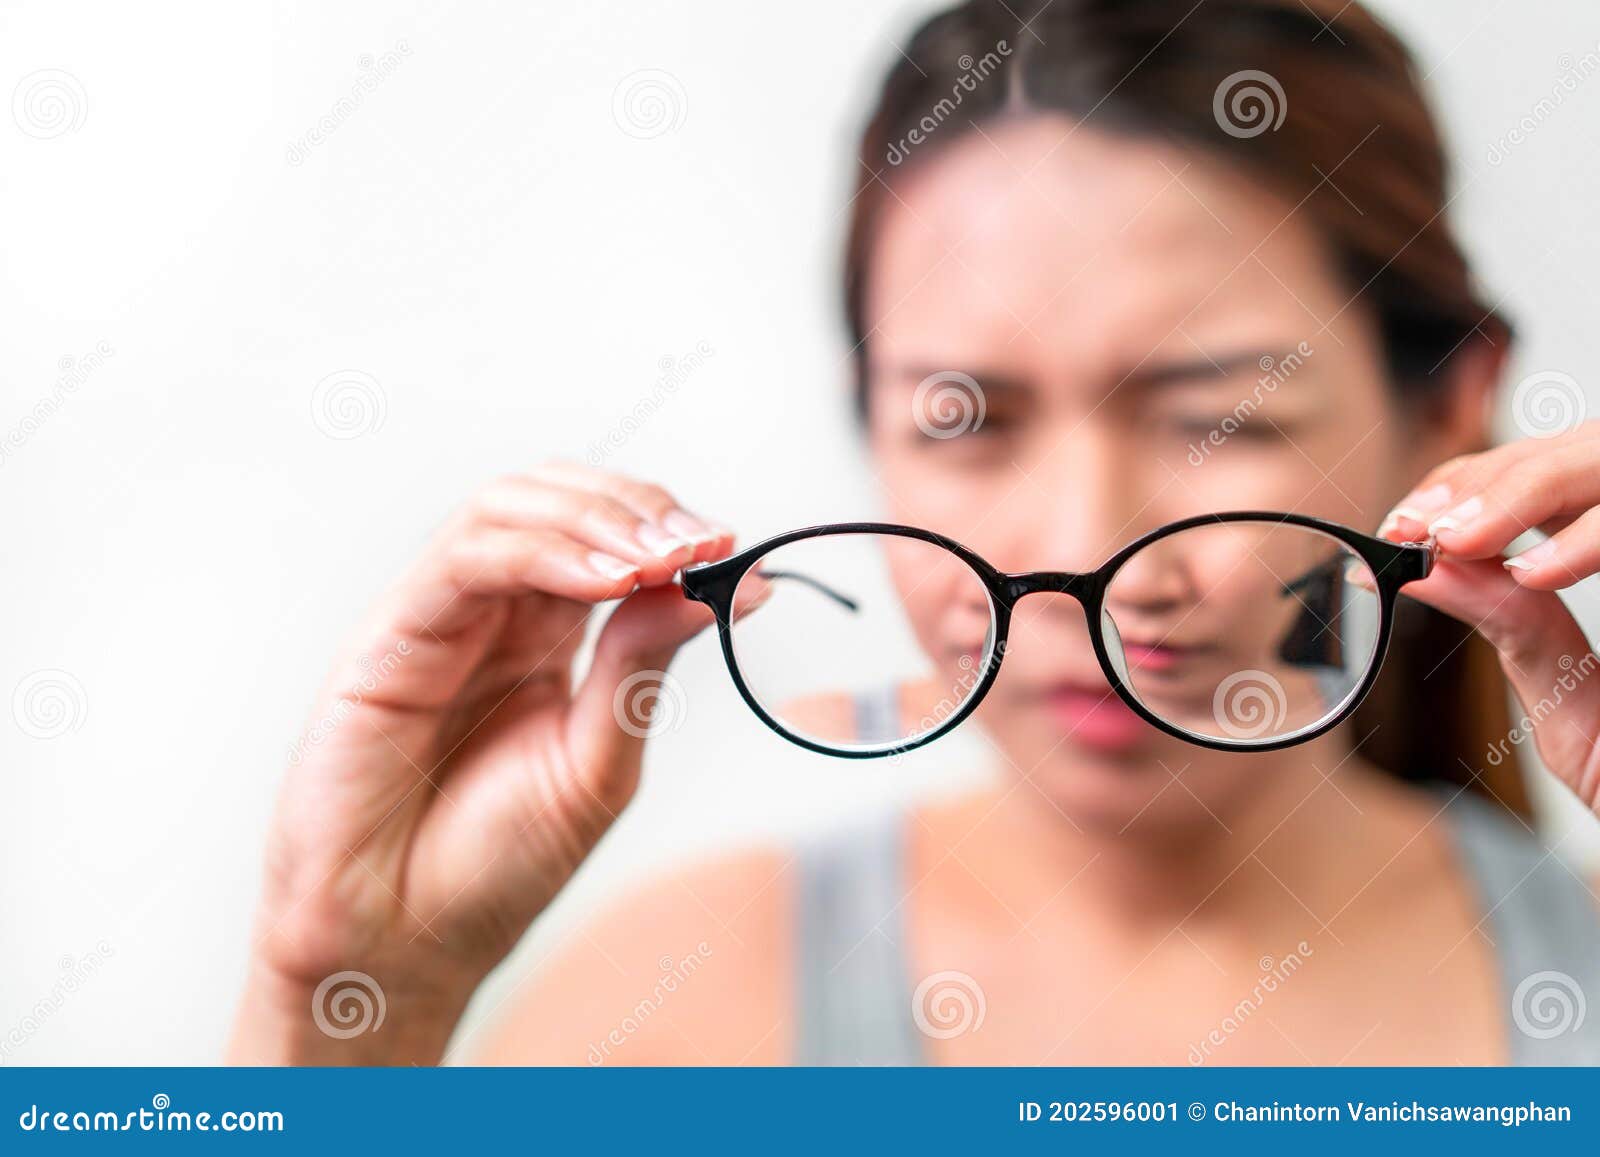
1242,631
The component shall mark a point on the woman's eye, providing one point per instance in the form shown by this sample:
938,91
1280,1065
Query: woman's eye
962,425
1197,424
1229,424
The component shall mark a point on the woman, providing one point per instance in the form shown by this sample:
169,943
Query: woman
1073,206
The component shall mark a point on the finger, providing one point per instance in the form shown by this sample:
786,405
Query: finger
628,694
1452,480
653,503
441,596
517,562
1496,459
438,609
1439,487
480,562
1543,652
603,521
1569,556
1444,485
1487,515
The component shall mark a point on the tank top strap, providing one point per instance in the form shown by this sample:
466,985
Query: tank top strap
877,714
852,971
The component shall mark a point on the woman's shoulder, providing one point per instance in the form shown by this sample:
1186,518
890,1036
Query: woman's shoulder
692,968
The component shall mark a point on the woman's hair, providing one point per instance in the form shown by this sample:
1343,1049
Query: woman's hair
1320,102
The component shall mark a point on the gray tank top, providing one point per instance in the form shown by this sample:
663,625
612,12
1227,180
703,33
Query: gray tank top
859,1005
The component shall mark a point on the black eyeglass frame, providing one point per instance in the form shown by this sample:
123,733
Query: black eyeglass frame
1392,565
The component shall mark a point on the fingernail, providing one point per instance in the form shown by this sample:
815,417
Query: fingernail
1457,517
610,566
1392,520
681,522
1532,557
659,543
1421,503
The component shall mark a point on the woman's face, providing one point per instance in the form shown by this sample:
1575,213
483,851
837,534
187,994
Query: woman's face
1152,335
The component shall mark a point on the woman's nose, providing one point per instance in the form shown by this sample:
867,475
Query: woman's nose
1079,506
1153,579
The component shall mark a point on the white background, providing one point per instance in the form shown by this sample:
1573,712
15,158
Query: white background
485,241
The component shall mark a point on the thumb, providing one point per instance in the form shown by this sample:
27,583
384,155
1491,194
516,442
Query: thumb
627,694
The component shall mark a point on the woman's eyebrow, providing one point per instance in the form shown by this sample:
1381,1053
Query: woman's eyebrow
1152,373
1203,367
990,381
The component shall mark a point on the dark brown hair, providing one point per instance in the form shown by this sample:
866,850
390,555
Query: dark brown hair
1356,150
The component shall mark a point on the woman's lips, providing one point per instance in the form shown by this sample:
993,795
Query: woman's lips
1094,716
1087,711
1153,656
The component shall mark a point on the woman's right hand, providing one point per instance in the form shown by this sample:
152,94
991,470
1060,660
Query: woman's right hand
454,777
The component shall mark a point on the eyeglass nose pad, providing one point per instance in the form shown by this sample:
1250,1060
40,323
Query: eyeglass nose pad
1113,641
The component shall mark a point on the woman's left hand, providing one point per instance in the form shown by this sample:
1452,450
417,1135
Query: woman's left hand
1476,505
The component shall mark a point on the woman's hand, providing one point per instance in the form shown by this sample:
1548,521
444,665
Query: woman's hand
1476,505
454,777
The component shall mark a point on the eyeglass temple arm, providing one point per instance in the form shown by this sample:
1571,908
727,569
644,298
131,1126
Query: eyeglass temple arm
815,584
1428,545
1297,585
